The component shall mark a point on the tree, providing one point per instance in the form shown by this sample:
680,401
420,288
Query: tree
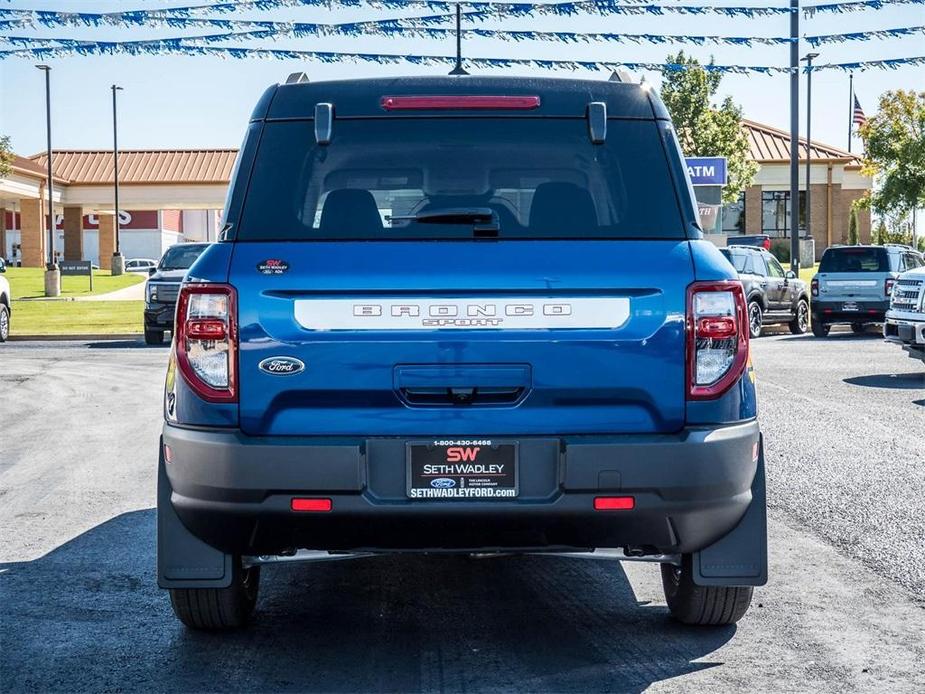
853,238
6,156
894,146
705,129
880,234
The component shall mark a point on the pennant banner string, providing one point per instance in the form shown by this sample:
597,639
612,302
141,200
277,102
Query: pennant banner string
179,47
496,8
407,27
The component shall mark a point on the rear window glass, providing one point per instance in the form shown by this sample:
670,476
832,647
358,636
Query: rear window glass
739,260
854,260
433,178
181,257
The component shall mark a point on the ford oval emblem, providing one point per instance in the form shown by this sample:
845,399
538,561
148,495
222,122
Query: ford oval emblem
281,366
443,483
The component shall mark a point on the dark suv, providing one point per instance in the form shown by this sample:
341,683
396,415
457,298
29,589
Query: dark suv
163,287
774,295
460,314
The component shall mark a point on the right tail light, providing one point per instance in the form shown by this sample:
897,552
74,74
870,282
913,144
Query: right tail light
206,340
717,337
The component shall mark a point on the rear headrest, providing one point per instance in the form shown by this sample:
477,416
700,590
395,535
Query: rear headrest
350,212
562,208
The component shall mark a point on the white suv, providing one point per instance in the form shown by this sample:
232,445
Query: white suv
905,321
4,304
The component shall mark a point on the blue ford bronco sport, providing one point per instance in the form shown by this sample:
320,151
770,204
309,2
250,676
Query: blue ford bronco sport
460,314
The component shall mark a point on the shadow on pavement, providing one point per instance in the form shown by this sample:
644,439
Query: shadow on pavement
123,344
88,616
913,381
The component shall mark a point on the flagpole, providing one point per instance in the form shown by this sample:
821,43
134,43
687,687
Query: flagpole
850,106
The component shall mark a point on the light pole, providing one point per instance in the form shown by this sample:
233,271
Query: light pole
52,273
809,57
118,262
794,135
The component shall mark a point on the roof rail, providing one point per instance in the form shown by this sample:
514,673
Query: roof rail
297,78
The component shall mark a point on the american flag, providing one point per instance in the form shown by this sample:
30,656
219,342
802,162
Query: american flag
858,116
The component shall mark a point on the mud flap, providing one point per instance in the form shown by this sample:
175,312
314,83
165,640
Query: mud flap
183,560
741,557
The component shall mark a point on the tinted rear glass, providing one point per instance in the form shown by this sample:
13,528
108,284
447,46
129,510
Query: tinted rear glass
394,178
854,260
739,260
181,257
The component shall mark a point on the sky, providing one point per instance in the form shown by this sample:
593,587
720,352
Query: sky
200,102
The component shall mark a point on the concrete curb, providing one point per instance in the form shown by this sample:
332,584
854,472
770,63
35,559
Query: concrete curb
83,338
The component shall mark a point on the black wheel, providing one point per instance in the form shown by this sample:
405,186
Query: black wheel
154,337
702,605
4,322
215,609
858,328
820,329
755,316
800,322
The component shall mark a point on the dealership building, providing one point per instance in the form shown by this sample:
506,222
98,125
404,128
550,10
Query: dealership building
165,197
170,196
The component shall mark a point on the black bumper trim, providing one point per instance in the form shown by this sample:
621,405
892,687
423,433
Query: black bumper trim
233,492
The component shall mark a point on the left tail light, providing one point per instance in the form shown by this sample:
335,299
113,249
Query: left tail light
206,341
717,337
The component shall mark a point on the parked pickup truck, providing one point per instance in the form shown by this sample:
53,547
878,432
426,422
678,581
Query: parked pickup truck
460,314
905,321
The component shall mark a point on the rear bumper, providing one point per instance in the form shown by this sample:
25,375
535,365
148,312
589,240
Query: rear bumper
833,311
234,492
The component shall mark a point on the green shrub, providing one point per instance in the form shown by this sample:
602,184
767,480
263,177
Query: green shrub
780,249
853,238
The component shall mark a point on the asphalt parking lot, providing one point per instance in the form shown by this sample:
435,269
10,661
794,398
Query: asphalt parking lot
844,420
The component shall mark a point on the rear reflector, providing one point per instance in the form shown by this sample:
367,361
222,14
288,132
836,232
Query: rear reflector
424,103
310,505
614,503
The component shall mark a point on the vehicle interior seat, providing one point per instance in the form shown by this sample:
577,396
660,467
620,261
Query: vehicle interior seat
350,211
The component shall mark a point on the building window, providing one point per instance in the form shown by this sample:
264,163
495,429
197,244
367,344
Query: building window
734,216
775,213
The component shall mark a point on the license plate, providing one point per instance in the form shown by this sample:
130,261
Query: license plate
849,306
462,469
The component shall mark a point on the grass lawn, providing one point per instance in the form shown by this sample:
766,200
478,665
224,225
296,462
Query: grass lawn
27,282
806,273
76,317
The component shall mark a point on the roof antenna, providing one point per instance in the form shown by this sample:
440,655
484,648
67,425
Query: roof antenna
458,69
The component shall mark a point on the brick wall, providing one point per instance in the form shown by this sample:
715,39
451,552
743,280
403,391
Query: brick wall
32,238
107,239
73,233
753,210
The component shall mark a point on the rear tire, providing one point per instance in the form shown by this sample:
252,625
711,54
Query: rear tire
755,318
800,322
820,329
218,609
702,605
858,328
4,322
154,337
